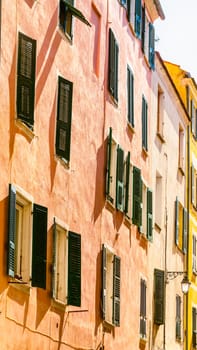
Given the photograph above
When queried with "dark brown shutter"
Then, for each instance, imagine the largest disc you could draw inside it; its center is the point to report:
(159, 297)
(116, 291)
(74, 269)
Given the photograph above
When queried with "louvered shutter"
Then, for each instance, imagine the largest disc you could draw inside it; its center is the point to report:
(144, 124)
(149, 215)
(151, 57)
(11, 230)
(193, 185)
(64, 116)
(26, 79)
(54, 260)
(143, 308)
(74, 269)
(116, 71)
(119, 179)
(143, 28)
(184, 240)
(137, 197)
(116, 291)
(104, 280)
(130, 97)
(138, 18)
(39, 249)
(194, 327)
(194, 253)
(159, 297)
(192, 111)
(113, 65)
(108, 174)
(188, 98)
(178, 317)
(176, 221)
(127, 185)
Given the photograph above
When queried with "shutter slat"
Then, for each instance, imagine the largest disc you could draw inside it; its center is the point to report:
(74, 269)
(11, 230)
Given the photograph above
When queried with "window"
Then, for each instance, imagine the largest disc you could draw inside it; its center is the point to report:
(26, 79)
(160, 112)
(26, 260)
(66, 11)
(144, 124)
(194, 186)
(181, 160)
(66, 266)
(193, 112)
(146, 226)
(178, 317)
(194, 327)
(158, 201)
(194, 251)
(130, 97)
(64, 115)
(138, 18)
(180, 226)
(113, 66)
(131, 11)
(151, 56)
(143, 308)
(123, 3)
(111, 287)
(128, 179)
(145, 33)
(137, 197)
(159, 297)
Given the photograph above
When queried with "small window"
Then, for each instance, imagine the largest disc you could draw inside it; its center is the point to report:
(130, 97)
(128, 181)
(138, 18)
(144, 124)
(64, 116)
(143, 309)
(178, 317)
(159, 297)
(27, 240)
(66, 266)
(26, 79)
(145, 34)
(180, 226)
(131, 11)
(137, 197)
(146, 227)
(111, 287)
(160, 113)
(194, 186)
(194, 327)
(193, 116)
(158, 201)
(194, 252)
(181, 159)
(113, 66)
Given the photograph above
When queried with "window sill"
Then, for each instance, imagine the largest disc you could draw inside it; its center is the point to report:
(63, 161)
(143, 339)
(109, 205)
(131, 127)
(23, 127)
(127, 221)
(65, 35)
(181, 170)
(20, 285)
(161, 137)
(113, 100)
(145, 151)
(157, 227)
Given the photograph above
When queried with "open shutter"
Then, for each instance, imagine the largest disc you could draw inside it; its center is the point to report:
(176, 221)
(137, 197)
(26, 79)
(151, 57)
(149, 215)
(75, 12)
(11, 230)
(192, 185)
(74, 269)
(184, 247)
(159, 297)
(104, 280)
(130, 96)
(39, 249)
(119, 179)
(109, 150)
(127, 189)
(64, 115)
(113, 65)
(54, 260)
(194, 327)
(138, 18)
(116, 291)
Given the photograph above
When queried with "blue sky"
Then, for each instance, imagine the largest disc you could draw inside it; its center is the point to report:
(176, 34)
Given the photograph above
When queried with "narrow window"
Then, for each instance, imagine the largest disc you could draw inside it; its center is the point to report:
(128, 179)
(143, 228)
(159, 297)
(194, 251)
(194, 327)
(120, 179)
(144, 124)
(96, 30)
(193, 117)
(26, 79)
(131, 11)
(149, 214)
(137, 197)
(160, 112)
(130, 97)
(180, 226)
(181, 157)
(64, 116)
(178, 317)
(158, 201)
(151, 57)
(145, 34)
(138, 18)
(113, 66)
(143, 308)
(111, 168)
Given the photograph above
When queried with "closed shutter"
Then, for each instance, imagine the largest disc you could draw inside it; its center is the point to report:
(26, 79)
(159, 297)
(54, 260)
(192, 111)
(113, 65)
(143, 28)
(130, 97)
(127, 185)
(11, 230)
(74, 269)
(104, 280)
(119, 179)
(143, 308)
(138, 18)
(116, 291)
(188, 98)
(193, 185)
(177, 222)
(39, 249)
(194, 327)
(109, 150)
(144, 124)
(137, 197)
(64, 115)
(178, 317)
(184, 240)
(151, 46)
(149, 215)
(129, 10)
(194, 253)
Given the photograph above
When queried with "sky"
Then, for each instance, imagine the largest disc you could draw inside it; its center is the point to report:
(176, 35)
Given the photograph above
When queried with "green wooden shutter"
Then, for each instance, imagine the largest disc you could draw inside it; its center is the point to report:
(193, 185)
(109, 151)
(116, 291)
(104, 280)
(74, 269)
(184, 240)
(39, 249)
(159, 297)
(119, 179)
(138, 18)
(177, 222)
(149, 215)
(151, 56)
(143, 28)
(144, 124)
(54, 260)
(26, 79)
(178, 317)
(116, 54)
(11, 230)
(130, 97)
(113, 65)
(127, 187)
(64, 116)
(137, 197)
